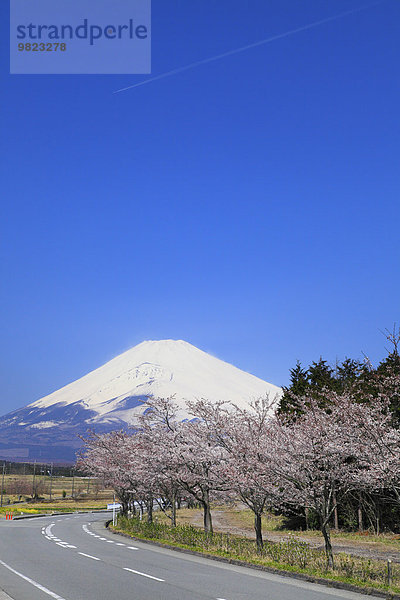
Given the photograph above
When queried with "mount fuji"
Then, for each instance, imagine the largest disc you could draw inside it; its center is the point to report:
(109, 397)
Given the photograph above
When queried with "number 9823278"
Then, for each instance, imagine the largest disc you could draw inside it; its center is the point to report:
(42, 47)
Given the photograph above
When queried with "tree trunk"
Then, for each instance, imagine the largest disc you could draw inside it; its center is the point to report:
(258, 528)
(307, 512)
(173, 511)
(208, 528)
(336, 518)
(335, 512)
(378, 514)
(149, 506)
(328, 545)
(360, 518)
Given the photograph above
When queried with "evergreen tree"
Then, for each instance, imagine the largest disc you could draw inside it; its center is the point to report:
(321, 375)
(347, 373)
(390, 368)
(298, 386)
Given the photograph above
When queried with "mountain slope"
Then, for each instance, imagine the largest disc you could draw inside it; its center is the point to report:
(108, 397)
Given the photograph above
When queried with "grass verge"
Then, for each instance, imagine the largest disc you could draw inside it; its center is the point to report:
(291, 555)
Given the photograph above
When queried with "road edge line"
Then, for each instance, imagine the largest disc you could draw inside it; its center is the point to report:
(329, 583)
(32, 582)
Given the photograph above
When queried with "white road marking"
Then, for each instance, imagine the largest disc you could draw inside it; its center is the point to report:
(143, 574)
(132, 548)
(104, 539)
(32, 582)
(89, 556)
(109, 542)
(62, 544)
(119, 544)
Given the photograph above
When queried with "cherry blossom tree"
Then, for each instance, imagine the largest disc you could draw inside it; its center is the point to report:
(334, 445)
(117, 458)
(378, 437)
(189, 457)
(246, 469)
(322, 452)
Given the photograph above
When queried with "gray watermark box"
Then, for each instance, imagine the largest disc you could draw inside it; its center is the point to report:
(80, 37)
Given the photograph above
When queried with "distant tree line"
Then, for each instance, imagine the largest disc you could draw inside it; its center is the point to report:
(357, 377)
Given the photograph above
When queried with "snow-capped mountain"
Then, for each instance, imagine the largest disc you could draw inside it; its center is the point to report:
(108, 397)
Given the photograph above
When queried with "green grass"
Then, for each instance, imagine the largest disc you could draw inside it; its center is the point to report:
(292, 555)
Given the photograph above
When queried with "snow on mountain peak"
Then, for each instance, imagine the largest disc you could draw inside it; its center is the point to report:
(160, 368)
(109, 397)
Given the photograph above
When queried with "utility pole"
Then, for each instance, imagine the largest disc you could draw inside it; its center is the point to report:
(73, 482)
(51, 479)
(2, 484)
(33, 480)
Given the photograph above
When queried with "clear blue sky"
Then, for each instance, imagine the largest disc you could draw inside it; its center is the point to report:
(249, 206)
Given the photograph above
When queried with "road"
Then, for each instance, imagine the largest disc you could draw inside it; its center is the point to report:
(73, 557)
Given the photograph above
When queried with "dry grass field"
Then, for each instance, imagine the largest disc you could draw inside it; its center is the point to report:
(239, 520)
(42, 493)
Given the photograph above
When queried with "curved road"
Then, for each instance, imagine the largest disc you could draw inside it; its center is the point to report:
(73, 557)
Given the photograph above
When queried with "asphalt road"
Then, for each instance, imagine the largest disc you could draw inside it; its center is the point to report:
(73, 557)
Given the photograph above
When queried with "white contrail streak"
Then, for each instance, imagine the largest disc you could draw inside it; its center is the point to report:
(279, 36)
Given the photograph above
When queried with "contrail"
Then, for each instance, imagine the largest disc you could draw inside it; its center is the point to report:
(205, 61)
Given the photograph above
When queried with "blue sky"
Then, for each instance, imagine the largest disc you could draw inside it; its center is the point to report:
(249, 206)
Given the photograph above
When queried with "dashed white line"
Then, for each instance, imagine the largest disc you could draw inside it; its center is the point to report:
(32, 582)
(132, 548)
(109, 542)
(104, 539)
(143, 574)
(89, 556)
(119, 544)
